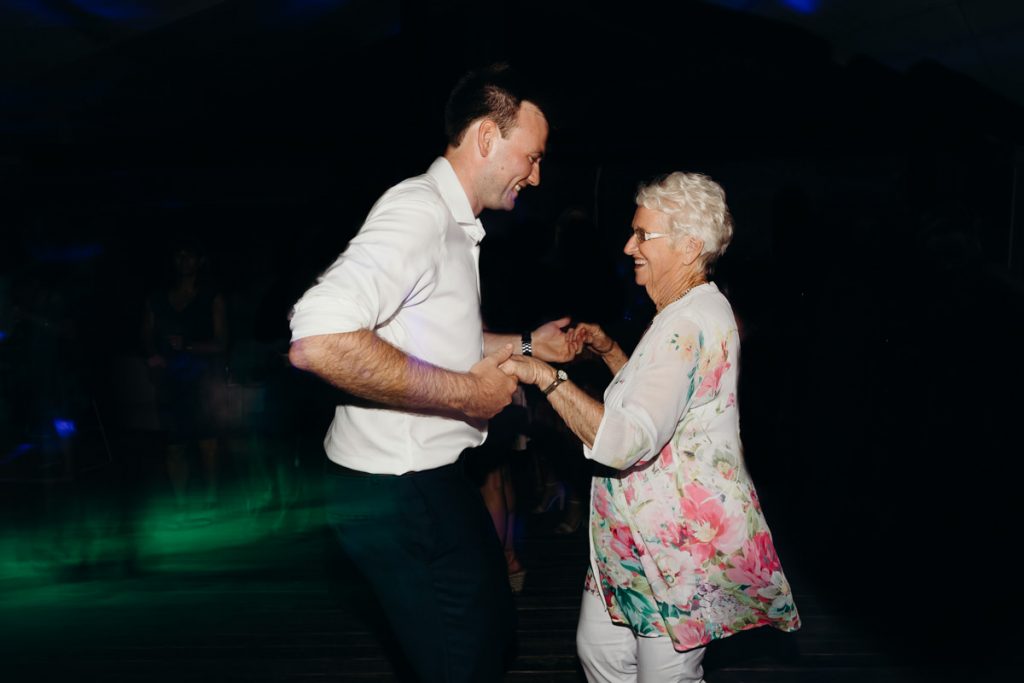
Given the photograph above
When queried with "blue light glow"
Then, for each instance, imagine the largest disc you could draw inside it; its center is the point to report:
(802, 6)
(65, 428)
(3, 336)
(16, 452)
(75, 253)
(310, 9)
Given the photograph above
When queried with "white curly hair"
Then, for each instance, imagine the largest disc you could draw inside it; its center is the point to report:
(695, 205)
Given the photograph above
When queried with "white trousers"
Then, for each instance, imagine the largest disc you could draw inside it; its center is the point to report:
(611, 653)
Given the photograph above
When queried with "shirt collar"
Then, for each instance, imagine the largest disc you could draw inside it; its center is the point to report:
(455, 197)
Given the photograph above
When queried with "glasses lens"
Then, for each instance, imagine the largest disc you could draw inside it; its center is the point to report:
(641, 236)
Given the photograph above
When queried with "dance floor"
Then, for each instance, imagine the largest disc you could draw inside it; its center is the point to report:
(243, 593)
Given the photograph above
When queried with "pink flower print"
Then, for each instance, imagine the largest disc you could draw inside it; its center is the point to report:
(726, 469)
(690, 633)
(688, 348)
(731, 401)
(666, 455)
(679, 573)
(755, 565)
(713, 378)
(631, 493)
(601, 503)
(710, 527)
(754, 499)
(623, 543)
(671, 535)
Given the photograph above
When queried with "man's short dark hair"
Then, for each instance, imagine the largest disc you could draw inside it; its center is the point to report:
(495, 92)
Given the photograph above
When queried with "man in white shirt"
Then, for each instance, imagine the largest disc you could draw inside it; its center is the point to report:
(396, 322)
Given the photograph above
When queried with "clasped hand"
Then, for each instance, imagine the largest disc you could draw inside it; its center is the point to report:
(555, 342)
(571, 342)
(590, 335)
(498, 373)
(494, 386)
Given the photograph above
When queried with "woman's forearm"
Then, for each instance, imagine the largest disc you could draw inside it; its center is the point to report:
(614, 358)
(580, 411)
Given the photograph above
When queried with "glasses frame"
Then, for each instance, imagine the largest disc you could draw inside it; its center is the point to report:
(644, 236)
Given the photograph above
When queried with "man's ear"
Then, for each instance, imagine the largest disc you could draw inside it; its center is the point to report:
(486, 134)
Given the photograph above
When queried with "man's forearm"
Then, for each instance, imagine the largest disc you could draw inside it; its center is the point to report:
(494, 341)
(365, 365)
(550, 342)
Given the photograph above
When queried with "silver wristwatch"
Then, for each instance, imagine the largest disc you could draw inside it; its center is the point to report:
(526, 347)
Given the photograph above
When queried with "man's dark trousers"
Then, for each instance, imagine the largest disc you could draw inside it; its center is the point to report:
(427, 545)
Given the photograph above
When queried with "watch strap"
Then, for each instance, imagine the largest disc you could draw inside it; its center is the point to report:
(527, 344)
(560, 377)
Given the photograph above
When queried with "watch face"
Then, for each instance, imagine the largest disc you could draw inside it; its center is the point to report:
(560, 377)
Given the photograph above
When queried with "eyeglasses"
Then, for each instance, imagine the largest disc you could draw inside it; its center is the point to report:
(642, 235)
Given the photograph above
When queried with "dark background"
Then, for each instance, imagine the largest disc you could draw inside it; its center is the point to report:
(876, 269)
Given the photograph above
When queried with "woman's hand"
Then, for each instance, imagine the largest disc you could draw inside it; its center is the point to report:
(529, 370)
(591, 336)
(551, 343)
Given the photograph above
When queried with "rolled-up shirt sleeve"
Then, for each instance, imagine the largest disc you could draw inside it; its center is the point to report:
(655, 393)
(391, 262)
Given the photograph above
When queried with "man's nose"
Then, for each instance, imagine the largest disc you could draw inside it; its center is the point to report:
(534, 178)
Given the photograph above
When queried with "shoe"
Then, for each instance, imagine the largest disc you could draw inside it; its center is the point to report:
(516, 573)
(516, 581)
(554, 494)
(573, 519)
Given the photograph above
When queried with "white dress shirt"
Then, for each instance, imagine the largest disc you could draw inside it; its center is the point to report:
(411, 275)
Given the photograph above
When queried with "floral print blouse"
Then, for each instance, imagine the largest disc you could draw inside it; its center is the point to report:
(679, 546)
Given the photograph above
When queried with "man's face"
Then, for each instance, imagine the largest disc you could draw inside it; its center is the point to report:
(514, 162)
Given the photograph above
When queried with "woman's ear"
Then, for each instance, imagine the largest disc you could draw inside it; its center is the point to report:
(692, 248)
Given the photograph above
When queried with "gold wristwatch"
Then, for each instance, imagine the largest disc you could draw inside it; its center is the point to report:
(560, 377)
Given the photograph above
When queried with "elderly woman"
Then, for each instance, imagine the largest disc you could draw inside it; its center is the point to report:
(680, 551)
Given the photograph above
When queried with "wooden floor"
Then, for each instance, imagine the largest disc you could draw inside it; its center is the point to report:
(267, 608)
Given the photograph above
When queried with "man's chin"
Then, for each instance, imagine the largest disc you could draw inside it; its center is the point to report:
(506, 203)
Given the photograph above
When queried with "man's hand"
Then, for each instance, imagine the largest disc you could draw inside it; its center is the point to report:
(494, 388)
(551, 343)
(529, 370)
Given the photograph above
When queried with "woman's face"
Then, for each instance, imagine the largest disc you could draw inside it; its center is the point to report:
(657, 265)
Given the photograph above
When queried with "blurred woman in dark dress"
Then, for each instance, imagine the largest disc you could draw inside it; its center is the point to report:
(185, 336)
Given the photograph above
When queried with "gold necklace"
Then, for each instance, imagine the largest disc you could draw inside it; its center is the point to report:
(685, 292)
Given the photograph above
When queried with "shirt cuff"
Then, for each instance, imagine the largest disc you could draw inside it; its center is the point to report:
(311, 318)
